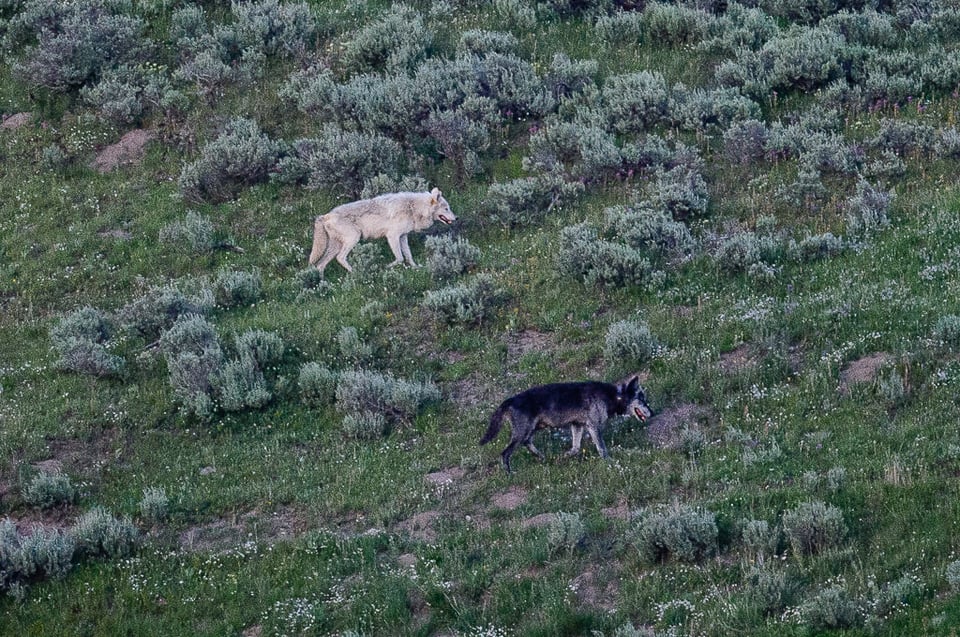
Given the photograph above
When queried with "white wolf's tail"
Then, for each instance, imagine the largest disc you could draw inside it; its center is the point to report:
(319, 241)
(496, 421)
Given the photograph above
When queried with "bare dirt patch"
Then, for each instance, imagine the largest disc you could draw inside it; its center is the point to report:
(591, 590)
(863, 370)
(128, 151)
(738, 359)
(256, 526)
(527, 341)
(445, 476)
(16, 121)
(666, 428)
(619, 512)
(421, 526)
(538, 520)
(510, 499)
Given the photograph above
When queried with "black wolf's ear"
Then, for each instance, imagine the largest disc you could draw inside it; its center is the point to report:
(633, 387)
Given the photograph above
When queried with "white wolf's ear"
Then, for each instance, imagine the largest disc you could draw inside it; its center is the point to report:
(435, 196)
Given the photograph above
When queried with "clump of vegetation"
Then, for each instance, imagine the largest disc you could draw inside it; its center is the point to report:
(236, 288)
(241, 156)
(43, 553)
(565, 532)
(154, 506)
(448, 257)
(467, 303)
(680, 532)
(47, 490)
(98, 533)
(628, 344)
(813, 527)
(829, 609)
(194, 232)
(398, 400)
(317, 384)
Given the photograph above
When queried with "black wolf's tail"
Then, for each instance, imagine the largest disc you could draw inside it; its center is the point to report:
(496, 421)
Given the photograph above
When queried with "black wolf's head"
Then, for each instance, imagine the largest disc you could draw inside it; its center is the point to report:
(633, 400)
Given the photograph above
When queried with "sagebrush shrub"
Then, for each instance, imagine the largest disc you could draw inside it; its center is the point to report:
(708, 111)
(469, 302)
(769, 589)
(682, 191)
(361, 391)
(817, 247)
(241, 156)
(759, 539)
(905, 137)
(194, 233)
(266, 348)
(565, 531)
(585, 256)
(481, 42)
(674, 24)
(236, 288)
(745, 141)
(529, 199)
(947, 330)
(86, 357)
(635, 102)
(830, 608)
(352, 347)
(952, 573)
(130, 94)
(341, 159)
(47, 553)
(86, 323)
(738, 252)
(239, 385)
(194, 357)
(620, 28)
(154, 505)
(75, 42)
(813, 527)
(284, 29)
(645, 227)
(365, 425)
(567, 77)
(462, 134)
(98, 533)
(628, 343)
(47, 490)
(397, 40)
(448, 256)
(680, 532)
(587, 150)
(317, 384)
(868, 209)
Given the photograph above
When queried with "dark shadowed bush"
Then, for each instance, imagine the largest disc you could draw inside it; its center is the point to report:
(75, 42)
(159, 307)
(241, 156)
(98, 533)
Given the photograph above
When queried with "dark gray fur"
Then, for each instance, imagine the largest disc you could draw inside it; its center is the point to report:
(581, 405)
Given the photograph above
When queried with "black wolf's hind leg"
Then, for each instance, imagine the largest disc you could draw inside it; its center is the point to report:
(529, 445)
(576, 434)
(506, 453)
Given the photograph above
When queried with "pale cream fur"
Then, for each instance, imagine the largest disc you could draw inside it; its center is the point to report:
(392, 216)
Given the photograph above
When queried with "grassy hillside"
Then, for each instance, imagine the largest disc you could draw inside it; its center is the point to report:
(752, 206)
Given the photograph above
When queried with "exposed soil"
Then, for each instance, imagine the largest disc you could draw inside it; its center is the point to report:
(128, 151)
(738, 359)
(445, 476)
(863, 370)
(16, 121)
(619, 512)
(538, 520)
(510, 499)
(591, 590)
(420, 527)
(255, 526)
(666, 427)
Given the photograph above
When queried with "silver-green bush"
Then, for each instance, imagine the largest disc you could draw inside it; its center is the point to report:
(194, 233)
(680, 532)
(47, 490)
(469, 302)
(237, 288)
(154, 505)
(813, 527)
(628, 343)
(317, 384)
(397, 399)
(98, 533)
(565, 531)
(448, 256)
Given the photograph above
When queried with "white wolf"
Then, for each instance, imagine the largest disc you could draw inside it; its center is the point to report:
(392, 216)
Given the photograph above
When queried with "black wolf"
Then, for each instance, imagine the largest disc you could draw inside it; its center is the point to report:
(583, 405)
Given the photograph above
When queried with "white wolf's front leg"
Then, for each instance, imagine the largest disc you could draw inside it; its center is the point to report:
(395, 247)
(405, 248)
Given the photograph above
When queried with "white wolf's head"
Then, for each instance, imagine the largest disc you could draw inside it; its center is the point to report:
(440, 209)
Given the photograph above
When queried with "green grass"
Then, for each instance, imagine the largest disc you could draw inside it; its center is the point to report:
(280, 521)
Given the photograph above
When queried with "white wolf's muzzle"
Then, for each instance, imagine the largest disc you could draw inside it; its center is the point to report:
(445, 219)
